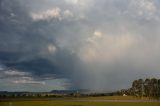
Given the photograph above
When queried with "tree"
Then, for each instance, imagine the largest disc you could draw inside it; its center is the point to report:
(149, 88)
(137, 87)
(158, 88)
(146, 87)
(153, 87)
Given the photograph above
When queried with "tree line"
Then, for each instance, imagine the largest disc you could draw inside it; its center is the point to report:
(144, 88)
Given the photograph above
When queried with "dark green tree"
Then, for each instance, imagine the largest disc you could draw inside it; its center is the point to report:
(137, 87)
(146, 87)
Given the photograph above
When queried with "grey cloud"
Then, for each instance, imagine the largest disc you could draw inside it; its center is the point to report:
(128, 41)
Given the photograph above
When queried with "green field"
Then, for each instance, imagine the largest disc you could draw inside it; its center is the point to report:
(72, 102)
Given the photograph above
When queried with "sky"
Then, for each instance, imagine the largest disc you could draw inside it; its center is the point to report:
(100, 45)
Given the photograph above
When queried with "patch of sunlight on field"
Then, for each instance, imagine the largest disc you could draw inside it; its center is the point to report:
(67, 103)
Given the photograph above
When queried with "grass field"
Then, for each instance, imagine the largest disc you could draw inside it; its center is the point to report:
(71, 102)
(113, 98)
(63, 103)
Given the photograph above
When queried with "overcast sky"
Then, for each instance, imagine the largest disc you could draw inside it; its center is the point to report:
(100, 45)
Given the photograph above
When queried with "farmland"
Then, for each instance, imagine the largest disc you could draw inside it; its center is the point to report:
(90, 101)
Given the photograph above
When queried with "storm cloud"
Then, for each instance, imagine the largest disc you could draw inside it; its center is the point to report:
(100, 45)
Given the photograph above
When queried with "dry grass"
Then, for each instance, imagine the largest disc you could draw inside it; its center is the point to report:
(65, 103)
(71, 102)
(114, 98)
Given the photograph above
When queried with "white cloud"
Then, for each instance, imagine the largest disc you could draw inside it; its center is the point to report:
(68, 13)
(18, 77)
(144, 7)
(147, 5)
(93, 39)
(97, 34)
(26, 78)
(24, 81)
(55, 13)
(51, 48)
(47, 15)
(106, 47)
(15, 73)
(82, 4)
(73, 1)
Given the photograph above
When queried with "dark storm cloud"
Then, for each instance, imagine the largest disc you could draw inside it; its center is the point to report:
(24, 44)
(20, 42)
(95, 44)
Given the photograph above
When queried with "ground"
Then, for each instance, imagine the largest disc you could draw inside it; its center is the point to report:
(90, 101)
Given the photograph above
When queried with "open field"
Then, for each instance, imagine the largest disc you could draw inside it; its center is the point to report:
(90, 101)
(114, 98)
(65, 103)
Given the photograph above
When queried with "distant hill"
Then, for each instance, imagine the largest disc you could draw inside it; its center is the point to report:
(69, 91)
